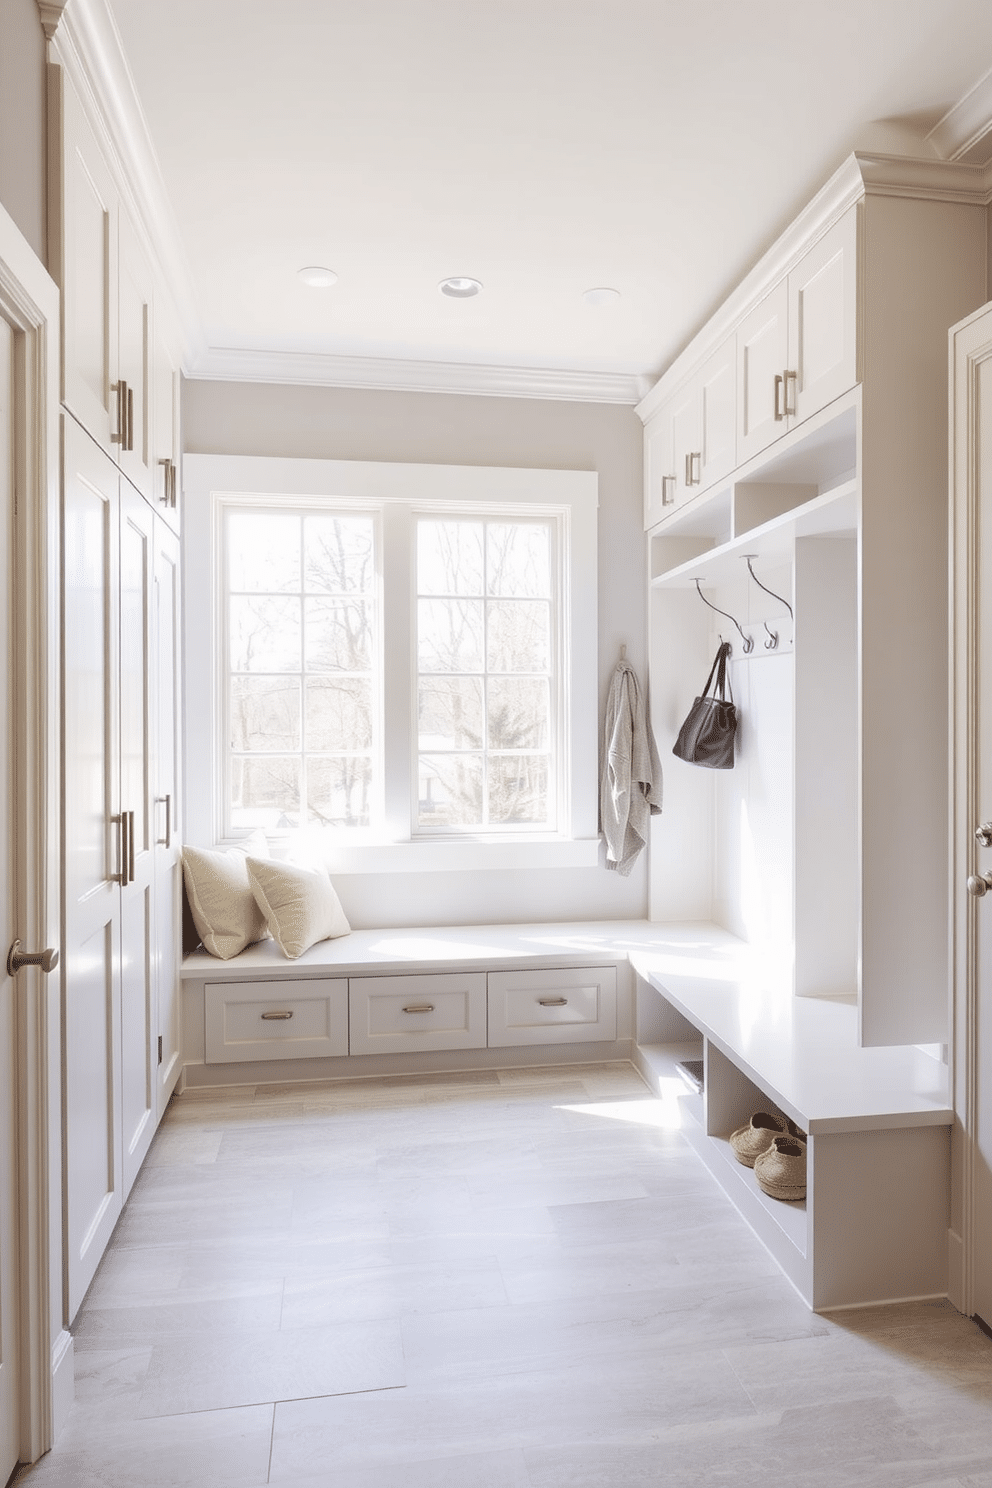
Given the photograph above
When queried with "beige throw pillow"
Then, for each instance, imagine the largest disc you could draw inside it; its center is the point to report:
(299, 904)
(224, 910)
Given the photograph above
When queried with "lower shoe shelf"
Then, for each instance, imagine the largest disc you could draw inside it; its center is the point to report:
(873, 1227)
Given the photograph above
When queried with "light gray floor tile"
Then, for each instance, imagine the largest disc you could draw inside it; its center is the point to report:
(220, 1372)
(508, 1279)
(229, 1448)
(623, 1403)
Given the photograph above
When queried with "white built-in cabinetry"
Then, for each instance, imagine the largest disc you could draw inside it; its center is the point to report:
(827, 842)
(120, 601)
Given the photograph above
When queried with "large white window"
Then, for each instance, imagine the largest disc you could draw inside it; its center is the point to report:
(398, 660)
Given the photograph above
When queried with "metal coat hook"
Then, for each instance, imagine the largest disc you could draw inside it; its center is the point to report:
(772, 643)
(779, 597)
(748, 640)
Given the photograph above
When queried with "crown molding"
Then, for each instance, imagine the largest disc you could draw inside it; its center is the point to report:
(395, 374)
(966, 129)
(861, 175)
(51, 13)
(86, 43)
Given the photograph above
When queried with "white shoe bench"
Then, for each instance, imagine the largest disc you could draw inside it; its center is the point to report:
(874, 1227)
(379, 1002)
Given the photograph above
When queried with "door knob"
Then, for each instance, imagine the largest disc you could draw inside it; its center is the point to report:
(979, 884)
(16, 958)
(983, 834)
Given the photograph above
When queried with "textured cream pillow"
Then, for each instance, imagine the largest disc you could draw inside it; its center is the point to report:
(223, 906)
(299, 904)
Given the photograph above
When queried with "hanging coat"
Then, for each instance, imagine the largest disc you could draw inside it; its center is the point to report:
(631, 787)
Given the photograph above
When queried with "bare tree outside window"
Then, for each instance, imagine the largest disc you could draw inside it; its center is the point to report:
(485, 647)
(301, 609)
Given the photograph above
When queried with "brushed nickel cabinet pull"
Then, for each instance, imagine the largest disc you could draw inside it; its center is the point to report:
(779, 412)
(789, 409)
(667, 490)
(553, 1001)
(688, 470)
(120, 437)
(166, 841)
(123, 822)
(696, 468)
(130, 419)
(277, 1017)
(419, 1007)
(130, 847)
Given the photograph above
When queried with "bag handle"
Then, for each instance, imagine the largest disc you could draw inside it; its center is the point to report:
(720, 668)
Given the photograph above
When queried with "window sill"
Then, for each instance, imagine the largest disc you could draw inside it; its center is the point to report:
(458, 855)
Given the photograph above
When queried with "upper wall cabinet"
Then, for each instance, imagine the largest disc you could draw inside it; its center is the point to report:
(118, 372)
(691, 442)
(791, 355)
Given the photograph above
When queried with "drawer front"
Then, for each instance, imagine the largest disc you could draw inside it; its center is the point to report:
(275, 1020)
(552, 1007)
(390, 1015)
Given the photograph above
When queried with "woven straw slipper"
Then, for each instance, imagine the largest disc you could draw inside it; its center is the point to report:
(781, 1171)
(750, 1141)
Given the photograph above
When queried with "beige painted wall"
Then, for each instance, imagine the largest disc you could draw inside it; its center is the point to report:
(22, 119)
(329, 423)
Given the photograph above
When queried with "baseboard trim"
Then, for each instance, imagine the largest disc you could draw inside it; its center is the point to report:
(63, 1381)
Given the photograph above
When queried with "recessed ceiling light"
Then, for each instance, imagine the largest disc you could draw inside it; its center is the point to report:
(318, 278)
(459, 288)
(601, 296)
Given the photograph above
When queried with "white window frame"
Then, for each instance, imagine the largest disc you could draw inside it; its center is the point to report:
(397, 492)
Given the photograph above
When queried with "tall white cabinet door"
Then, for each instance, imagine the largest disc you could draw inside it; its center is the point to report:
(659, 468)
(823, 318)
(9, 1416)
(166, 831)
(762, 353)
(687, 441)
(93, 861)
(134, 321)
(86, 254)
(139, 1016)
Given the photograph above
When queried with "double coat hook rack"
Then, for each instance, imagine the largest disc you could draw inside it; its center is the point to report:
(771, 644)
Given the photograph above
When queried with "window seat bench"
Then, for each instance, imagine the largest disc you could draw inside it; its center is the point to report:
(874, 1227)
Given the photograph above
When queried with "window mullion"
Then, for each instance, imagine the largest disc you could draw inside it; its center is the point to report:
(399, 671)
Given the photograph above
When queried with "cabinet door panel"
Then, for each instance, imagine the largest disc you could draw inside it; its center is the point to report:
(762, 351)
(165, 425)
(823, 319)
(687, 441)
(91, 981)
(139, 1014)
(718, 414)
(659, 468)
(88, 274)
(390, 1015)
(166, 830)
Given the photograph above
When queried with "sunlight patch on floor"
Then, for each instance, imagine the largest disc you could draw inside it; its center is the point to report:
(665, 1111)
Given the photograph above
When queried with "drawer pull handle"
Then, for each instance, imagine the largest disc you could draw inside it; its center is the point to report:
(553, 1001)
(276, 1017)
(419, 1007)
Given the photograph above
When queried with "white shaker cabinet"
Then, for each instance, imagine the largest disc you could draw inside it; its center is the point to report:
(166, 834)
(797, 349)
(107, 286)
(121, 893)
(691, 441)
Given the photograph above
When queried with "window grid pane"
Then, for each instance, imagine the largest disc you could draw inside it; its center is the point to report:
(301, 659)
(510, 783)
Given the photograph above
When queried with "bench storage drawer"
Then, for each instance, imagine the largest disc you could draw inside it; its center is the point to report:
(392, 1014)
(275, 1020)
(576, 1005)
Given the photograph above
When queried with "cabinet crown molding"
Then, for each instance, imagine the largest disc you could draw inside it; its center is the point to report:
(862, 174)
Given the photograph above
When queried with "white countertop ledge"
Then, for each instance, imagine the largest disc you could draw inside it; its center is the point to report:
(802, 1051)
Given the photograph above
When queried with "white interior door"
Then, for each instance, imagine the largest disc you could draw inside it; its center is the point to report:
(971, 1225)
(9, 1423)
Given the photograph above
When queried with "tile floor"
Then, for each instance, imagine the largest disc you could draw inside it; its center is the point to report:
(513, 1280)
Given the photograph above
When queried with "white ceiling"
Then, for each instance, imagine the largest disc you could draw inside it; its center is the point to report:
(544, 147)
